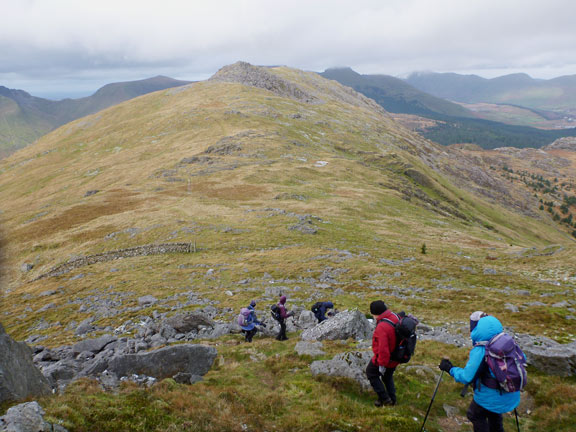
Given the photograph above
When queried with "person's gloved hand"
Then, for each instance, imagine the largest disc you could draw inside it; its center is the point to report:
(445, 365)
(381, 369)
(262, 324)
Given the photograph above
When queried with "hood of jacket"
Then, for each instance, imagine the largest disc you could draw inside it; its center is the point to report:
(282, 299)
(487, 328)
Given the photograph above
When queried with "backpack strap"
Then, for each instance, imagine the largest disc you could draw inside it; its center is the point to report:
(388, 320)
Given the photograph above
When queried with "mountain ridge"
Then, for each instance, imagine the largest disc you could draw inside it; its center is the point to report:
(36, 116)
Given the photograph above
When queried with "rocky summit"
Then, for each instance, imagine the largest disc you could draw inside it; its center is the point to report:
(134, 236)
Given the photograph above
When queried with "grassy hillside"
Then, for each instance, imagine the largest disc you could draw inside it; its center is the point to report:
(281, 179)
(25, 118)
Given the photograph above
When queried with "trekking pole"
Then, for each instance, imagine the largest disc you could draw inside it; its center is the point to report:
(517, 422)
(432, 401)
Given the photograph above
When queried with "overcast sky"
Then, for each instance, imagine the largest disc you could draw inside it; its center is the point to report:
(58, 48)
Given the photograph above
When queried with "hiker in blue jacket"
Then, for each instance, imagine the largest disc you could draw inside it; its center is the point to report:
(485, 411)
(249, 328)
(320, 309)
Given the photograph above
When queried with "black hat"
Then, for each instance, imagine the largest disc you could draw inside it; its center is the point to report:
(378, 307)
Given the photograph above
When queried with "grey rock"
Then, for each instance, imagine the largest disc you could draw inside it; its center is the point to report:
(109, 381)
(344, 325)
(165, 362)
(512, 308)
(147, 300)
(186, 378)
(19, 378)
(184, 323)
(61, 372)
(349, 365)
(549, 356)
(309, 348)
(85, 327)
(93, 345)
(26, 267)
(306, 320)
(26, 417)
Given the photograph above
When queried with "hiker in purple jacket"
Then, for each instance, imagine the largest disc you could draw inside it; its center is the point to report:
(283, 316)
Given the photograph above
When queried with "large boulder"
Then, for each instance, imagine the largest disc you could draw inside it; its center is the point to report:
(93, 345)
(19, 378)
(549, 356)
(184, 323)
(27, 417)
(167, 362)
(344, 325)
(306, 320)
(348, 365)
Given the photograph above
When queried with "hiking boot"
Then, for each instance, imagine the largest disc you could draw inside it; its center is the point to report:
(382, 402)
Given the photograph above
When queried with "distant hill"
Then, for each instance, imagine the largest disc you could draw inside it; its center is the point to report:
(558, 94)
(455, 124)
(24, 118)
(395, 95)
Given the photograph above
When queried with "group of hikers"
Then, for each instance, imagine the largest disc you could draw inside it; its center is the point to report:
(496, 368)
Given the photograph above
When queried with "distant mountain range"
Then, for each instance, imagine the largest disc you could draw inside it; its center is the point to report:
(454, 124)
(558, 94)
(24, 118)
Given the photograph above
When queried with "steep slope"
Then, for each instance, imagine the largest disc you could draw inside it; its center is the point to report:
(24, 118)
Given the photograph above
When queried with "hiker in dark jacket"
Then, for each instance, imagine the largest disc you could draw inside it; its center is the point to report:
(485, 411)
(320, 309)
(283, 317)
(380, 369)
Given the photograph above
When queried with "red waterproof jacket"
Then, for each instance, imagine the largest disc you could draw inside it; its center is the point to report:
(384, 340)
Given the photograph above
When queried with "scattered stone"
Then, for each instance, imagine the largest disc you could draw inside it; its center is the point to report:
(91, 192)
(512, 308)
(307, 320)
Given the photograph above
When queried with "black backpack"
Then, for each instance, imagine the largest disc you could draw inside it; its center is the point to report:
(275, 311)
(316, 307)
(406, 338)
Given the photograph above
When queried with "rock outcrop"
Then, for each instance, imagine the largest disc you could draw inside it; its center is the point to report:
(27, 417)
(342, 326)
(549, 356)
(255, 76)
(194, 360)
(19, 378)
(348, 365)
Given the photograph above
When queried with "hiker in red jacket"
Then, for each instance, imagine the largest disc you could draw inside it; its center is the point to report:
(380, 369)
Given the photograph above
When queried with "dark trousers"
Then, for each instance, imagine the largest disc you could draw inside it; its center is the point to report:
(484, 420)
(383, 385)
(282, 335)
(249, 334)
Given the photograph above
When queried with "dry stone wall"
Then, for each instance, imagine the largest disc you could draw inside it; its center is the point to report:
(151, 249)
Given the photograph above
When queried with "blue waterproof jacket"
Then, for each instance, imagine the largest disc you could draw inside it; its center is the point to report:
(251, 321)
(488, 398)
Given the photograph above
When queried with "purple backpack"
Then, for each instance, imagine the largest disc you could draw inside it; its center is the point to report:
(243, 317)
(507, 362)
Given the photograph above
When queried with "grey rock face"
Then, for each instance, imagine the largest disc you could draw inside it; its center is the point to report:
(147, 300)
(345, 325)
(549, 356)
(349, 365)
(27, 417)
(165, 362)
(309, 348)
(184, 323)
(19, 378)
